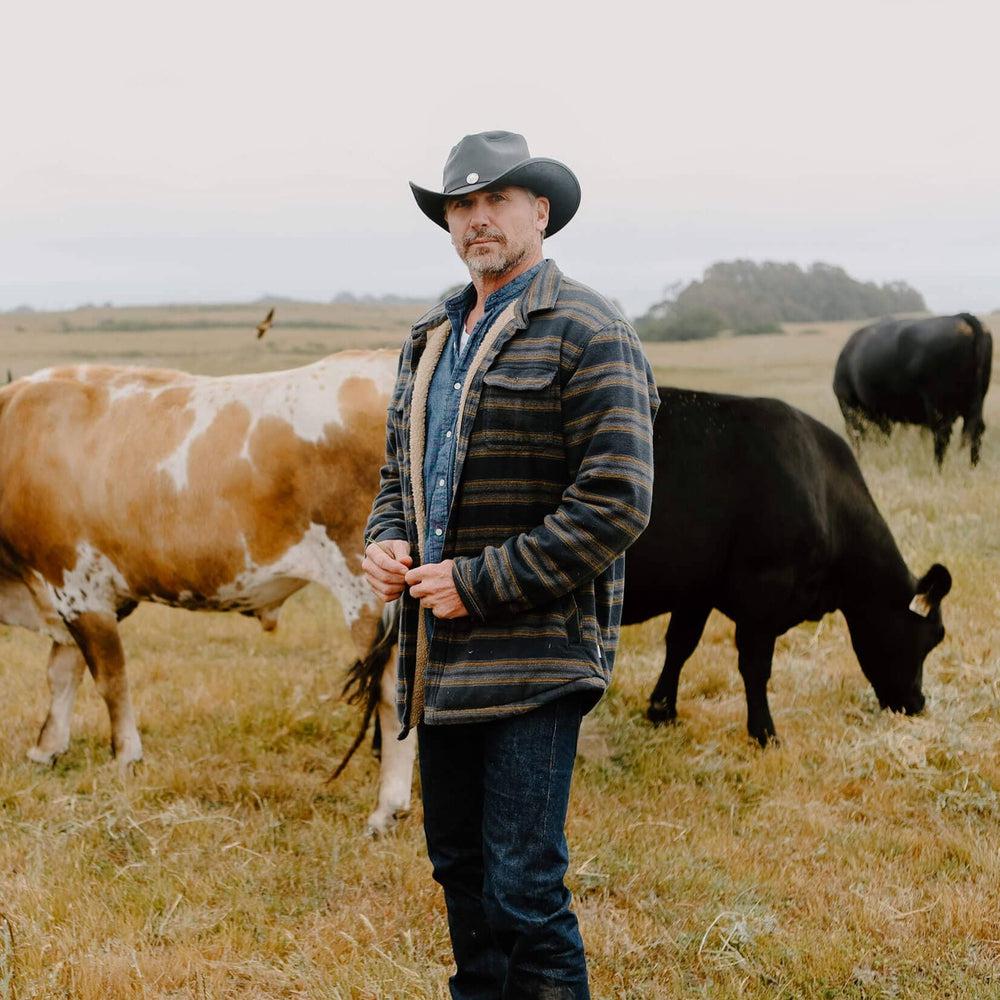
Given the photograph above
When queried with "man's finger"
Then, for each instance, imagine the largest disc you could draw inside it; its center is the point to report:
(400, 551)
(370, 569)
(377, 555)
(448, 609)
(374, 571)
(384, 560)
(386, 591)
(384, 586)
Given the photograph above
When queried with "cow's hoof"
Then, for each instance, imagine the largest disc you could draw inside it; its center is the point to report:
(128, 769)
(383, 820)
(659, 713)
(128, 758)
(766, 739)
(44, 757)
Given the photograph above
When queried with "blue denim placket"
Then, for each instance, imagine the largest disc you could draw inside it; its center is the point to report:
(442, 408)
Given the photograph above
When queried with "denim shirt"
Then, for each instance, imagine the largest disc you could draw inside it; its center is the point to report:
(443, 398)
(442, 403)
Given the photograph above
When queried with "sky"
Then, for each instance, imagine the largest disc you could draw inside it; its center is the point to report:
(220, 151)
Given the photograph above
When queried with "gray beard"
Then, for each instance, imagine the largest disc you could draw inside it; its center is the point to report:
(496, 266)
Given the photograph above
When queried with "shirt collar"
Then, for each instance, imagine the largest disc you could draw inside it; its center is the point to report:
(510, 291)
(459, 305)
(541, 294)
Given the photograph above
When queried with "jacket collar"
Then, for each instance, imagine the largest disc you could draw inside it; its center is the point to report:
(540, 295)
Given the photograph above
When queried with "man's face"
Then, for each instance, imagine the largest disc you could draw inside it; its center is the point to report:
(494, 231)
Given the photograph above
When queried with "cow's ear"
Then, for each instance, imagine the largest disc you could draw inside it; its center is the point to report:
(931, 590)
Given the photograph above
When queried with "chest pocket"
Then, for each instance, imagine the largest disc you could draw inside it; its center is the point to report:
(522, 401)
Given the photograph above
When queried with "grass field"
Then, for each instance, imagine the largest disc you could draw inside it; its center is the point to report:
(210, 340)
(859, 859)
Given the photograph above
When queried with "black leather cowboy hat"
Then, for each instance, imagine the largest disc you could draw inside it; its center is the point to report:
(499, 159)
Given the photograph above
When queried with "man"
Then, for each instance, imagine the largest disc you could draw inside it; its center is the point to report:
(518, 470)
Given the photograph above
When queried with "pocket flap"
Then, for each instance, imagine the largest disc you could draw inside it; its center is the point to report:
(520, 379)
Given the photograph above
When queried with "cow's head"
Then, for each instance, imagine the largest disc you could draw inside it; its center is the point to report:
(892, 644)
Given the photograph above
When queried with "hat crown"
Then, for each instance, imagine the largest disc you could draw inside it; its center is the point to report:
(497, 159)
(480, 158)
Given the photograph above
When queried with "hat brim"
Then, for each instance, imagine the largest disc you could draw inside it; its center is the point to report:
(548, 178)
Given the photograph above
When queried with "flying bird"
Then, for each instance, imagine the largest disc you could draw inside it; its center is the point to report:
(265, 324)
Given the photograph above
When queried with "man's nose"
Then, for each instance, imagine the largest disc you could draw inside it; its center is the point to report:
(480, 214)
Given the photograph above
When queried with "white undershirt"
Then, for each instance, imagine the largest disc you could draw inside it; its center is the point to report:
(463, 341)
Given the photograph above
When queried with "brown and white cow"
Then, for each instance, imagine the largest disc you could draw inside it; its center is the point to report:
(120, 485)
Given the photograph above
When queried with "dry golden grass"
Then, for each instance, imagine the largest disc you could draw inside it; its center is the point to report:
(859, 859)
(210, 340)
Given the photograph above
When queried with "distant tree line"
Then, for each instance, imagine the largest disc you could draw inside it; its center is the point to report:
(388, 299)
(746, 297)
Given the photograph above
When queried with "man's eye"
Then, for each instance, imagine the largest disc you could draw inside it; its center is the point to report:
(497, 196)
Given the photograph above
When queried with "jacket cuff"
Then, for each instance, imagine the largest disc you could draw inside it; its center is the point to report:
(459, 575)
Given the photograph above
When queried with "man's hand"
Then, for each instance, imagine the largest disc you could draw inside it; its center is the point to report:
(385, 565)
(434, 586)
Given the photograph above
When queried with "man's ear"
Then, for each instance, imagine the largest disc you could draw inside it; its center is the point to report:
(542, 213)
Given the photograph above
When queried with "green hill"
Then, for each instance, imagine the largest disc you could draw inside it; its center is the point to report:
(748, 297)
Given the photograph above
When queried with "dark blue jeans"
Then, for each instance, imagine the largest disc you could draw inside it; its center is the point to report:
(495, 799)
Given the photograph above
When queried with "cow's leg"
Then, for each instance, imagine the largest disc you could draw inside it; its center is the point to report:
(398, 757)
(942, 435)
(756, 649)
(976, 442)
(66, 667)
(97, 636)
(883, 424)
(683, 634)
(973, 428)
(854, 423)
(940, 428)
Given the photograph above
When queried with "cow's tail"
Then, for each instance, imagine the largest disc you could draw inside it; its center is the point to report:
(982, 350)
(364, 679)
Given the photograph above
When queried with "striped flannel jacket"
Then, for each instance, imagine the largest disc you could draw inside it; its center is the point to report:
(553, 481)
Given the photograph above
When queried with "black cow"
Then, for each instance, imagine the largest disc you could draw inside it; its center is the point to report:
(762, 512)
(917, 371)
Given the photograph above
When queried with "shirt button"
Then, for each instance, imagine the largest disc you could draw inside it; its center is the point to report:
(440, 482)
(437, 531)
(447, 434)
(458, 385)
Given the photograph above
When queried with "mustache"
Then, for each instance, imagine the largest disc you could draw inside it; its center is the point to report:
(483, 234)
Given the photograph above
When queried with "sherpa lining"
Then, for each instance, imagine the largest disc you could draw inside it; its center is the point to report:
(436, 340)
